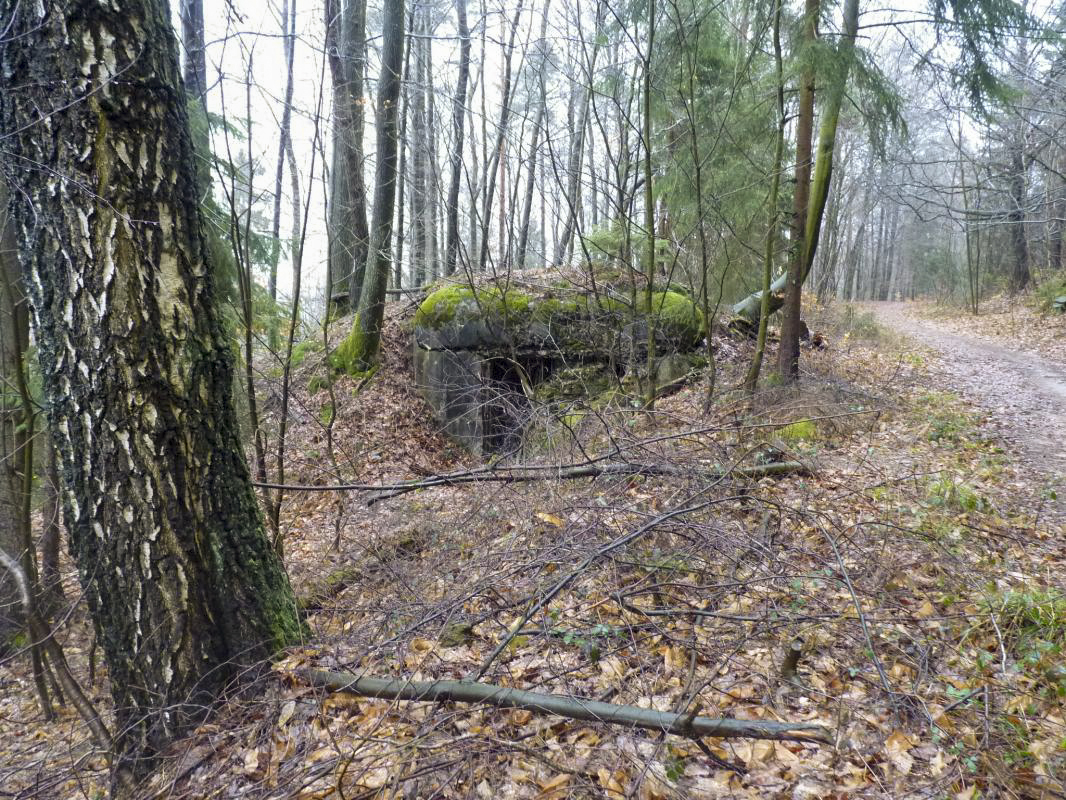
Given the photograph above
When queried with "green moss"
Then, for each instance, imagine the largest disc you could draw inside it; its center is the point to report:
(460, 303)
(302, 350)
(325, 414)
(574, 382)
(546, 309)
(679, 316)
(317, 383)
(800, 431)
(346, 357)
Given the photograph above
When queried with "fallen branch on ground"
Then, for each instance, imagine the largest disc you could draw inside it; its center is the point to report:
(521, 473)
(570, 707)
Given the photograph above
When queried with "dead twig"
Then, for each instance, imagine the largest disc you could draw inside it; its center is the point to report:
(570, 707)
(534, 472)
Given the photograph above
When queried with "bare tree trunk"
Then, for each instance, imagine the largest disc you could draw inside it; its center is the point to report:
(346, 49)
(288, 23)
(11, 359)
(751, 381)
(538, 124)
(1021, 275)
(367, 330)
(492, 169)
(182, 584)
(432, 162)
(649, 209)
(401, 178)
(788, 350)
(577, 148)
(195, 76)
(419, 162)
(52, 512)
(451, 244)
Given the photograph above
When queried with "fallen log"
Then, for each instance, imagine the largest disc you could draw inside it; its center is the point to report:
(686, 725)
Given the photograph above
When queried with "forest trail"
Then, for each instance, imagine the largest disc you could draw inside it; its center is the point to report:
(1023, 393)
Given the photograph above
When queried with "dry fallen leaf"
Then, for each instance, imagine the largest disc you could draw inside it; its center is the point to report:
(286, 713)
(551, 519)
(896, 748)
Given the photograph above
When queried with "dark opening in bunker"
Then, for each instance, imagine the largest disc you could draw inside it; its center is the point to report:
(507, 408)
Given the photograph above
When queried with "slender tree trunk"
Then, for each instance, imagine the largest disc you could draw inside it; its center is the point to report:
(52, 512)
(419, 165)
(1021, 275)
(577, 147)
(451, 244)
(195, 76)
(401, 177)
(751, 381)
(367, 331)
(492, 169)
(649, 209)
(288, 22)
(788, 350)
(11, 359)
(538, 123)
(432, 163)
(816, 195)
(182, 584)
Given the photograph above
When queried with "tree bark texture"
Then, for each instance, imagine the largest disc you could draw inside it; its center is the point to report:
(182, 584)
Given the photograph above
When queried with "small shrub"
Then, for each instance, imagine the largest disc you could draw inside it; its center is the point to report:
(861, 324)
(1049, 291)
(951, 494)
(317, 383)
(946, 423)
(325, 414)
(1032, 623)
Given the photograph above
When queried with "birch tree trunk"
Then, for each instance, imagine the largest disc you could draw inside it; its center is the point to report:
(182, 584)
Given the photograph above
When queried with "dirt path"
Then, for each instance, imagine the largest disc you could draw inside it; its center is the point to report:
(1024, 394)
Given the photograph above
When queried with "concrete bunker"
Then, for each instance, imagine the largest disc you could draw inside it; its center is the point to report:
(484, 356)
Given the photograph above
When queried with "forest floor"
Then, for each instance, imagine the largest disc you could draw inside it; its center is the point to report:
(906, 592)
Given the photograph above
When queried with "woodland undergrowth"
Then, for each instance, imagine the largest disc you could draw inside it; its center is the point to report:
(906, 594)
